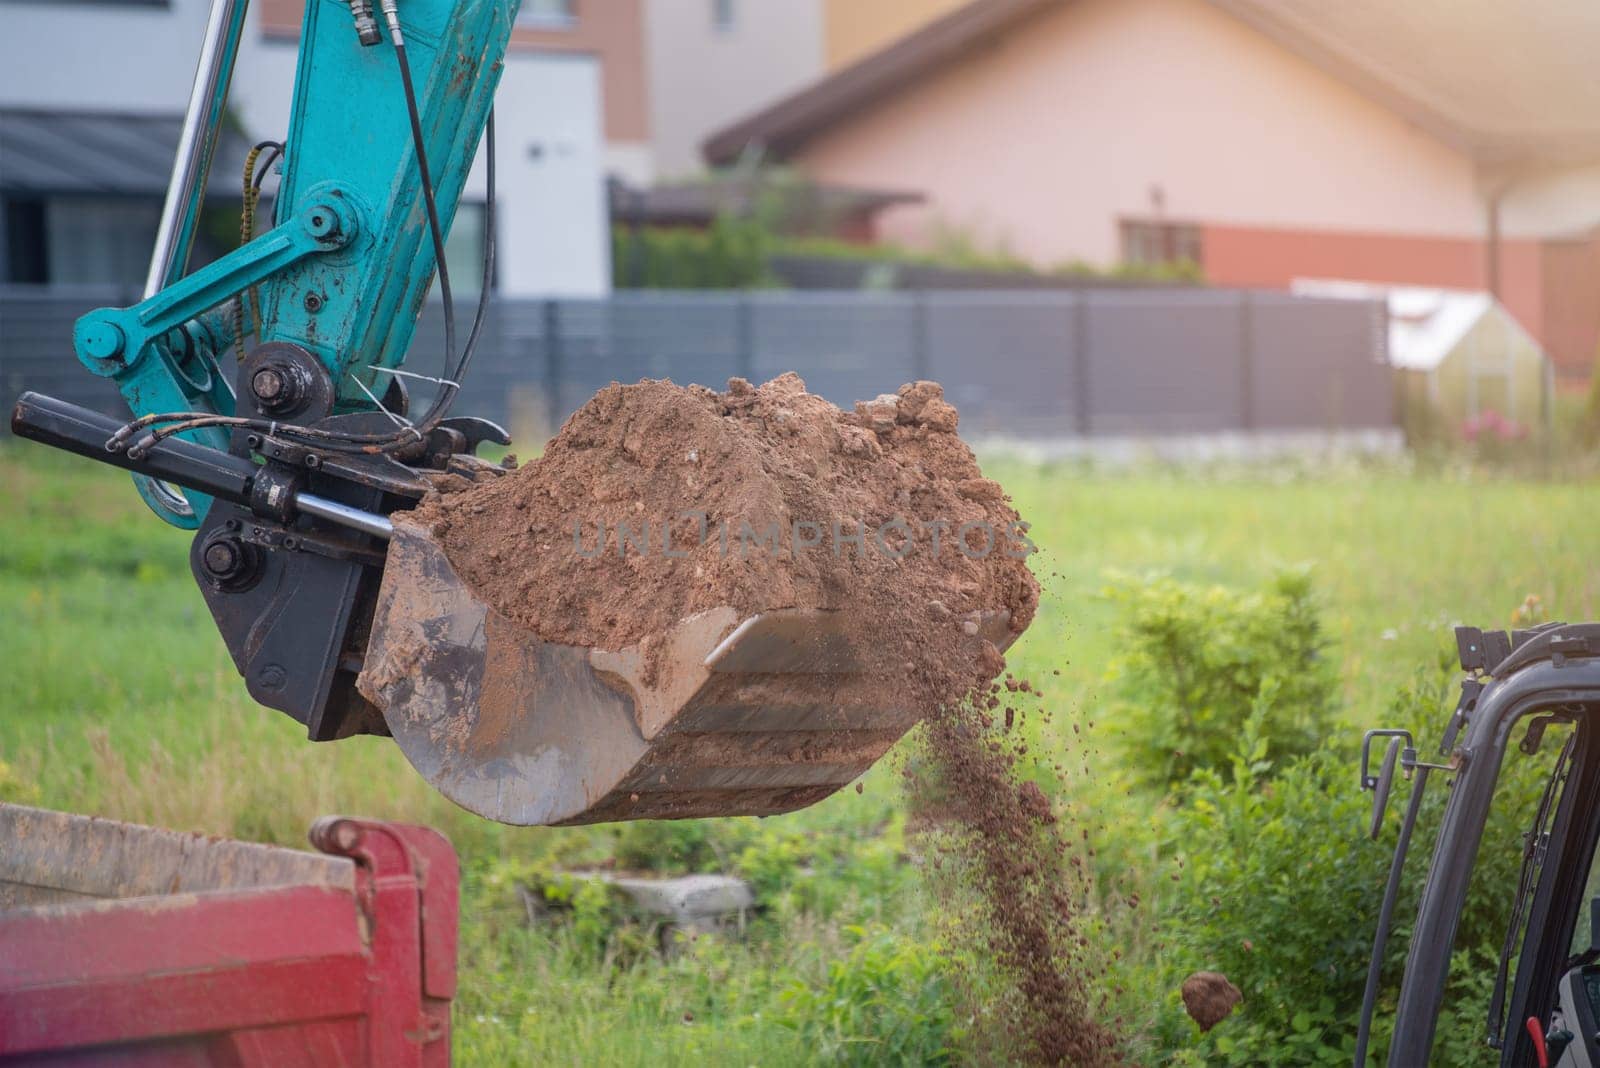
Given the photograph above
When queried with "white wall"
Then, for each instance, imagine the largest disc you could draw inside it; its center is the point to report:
(99, 57)
(701, 77)
(553, 233)
(263, 81)
(552, 226)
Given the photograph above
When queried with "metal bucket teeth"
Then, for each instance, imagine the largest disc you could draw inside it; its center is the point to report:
(725, 717)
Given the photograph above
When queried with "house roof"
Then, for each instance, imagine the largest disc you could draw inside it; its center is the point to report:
(1507, 84)
(69, 152)
(791, 120)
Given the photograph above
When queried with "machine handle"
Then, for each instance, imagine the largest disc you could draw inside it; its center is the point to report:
(85, 432)
(1540, 1049)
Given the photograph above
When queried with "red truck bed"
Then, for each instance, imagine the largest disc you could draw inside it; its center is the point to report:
(129, 945)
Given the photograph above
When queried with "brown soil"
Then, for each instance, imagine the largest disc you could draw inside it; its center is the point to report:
(1209, 997)
(545, 546)
(638, 459)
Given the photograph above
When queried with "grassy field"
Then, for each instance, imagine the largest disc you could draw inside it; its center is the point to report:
(117, 698)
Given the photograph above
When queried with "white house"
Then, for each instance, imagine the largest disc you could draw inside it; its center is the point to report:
(91, 99)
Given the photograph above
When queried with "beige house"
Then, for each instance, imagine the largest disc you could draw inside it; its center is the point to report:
(1447, 143)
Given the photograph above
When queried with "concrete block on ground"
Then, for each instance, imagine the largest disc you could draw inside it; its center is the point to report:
(690, 900)
(692, 904)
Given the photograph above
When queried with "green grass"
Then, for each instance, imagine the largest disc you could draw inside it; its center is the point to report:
(117, 698)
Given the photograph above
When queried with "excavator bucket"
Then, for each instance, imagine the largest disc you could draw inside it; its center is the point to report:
(723, 716)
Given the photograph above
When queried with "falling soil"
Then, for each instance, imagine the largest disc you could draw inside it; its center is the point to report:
(1004, 840)
(656, 502)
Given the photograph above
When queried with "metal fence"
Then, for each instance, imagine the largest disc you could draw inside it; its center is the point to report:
(1142, 363)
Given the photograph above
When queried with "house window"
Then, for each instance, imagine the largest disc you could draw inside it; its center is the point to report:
(1151, 243)
(463, 251)
(548, 14)
(724, 15)
(26, 247)
(99, 240)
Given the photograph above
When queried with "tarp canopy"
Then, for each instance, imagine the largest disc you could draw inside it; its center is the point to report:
(89, 154)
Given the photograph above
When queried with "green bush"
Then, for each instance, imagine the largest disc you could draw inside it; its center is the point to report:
(677, 846)
(734, 252)
(1174, 272)
(967, 256)
(1199, 661)
(772, 861)
(729, 254)
(1588, 421)
(890, 1001)
(1266, 862)
(600, 920)
(15, 787)
(859, 879)
(1267, 870)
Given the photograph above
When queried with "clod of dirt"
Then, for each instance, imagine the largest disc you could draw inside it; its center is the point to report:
(1208, 998)
(1034, 803)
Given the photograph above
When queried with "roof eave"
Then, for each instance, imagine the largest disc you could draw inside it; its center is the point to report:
(782, 127)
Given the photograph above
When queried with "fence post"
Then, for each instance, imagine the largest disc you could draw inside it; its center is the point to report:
(919, 336)
(1080, 369)
(1247, 362)
(744, 360)
(552, 364)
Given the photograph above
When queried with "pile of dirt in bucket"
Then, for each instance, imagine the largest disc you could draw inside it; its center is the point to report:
(656, 502)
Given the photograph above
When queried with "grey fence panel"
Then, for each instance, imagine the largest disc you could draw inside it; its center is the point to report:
(1167, 363)
(847, 346)
(507, 379)
(1315, 365)
(1030, 364)
(1008, 361)
(689, 338)
(521, 369)
(36, 347)
(835, 273)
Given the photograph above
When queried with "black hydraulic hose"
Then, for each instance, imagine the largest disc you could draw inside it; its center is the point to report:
(488, 257)
(435, 230)
(1391, 895)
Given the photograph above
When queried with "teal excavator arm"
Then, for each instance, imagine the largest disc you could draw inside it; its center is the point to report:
(289, 484)
(343, 275)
